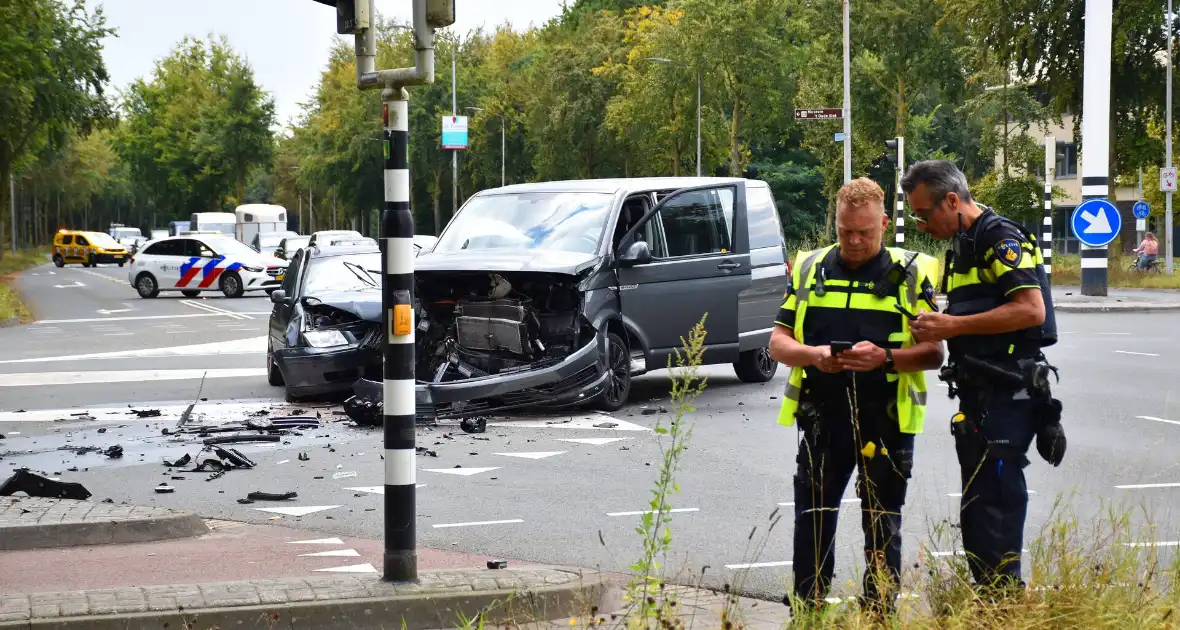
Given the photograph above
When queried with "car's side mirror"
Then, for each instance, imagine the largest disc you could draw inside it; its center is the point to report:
(637, 254)
(279, 296)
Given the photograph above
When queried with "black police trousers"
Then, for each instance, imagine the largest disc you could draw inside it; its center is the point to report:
(995, 496)
(824, 469)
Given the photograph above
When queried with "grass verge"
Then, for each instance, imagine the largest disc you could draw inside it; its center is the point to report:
(12, 310)
(1067, 270)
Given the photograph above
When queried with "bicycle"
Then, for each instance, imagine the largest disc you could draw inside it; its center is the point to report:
(1152, 267)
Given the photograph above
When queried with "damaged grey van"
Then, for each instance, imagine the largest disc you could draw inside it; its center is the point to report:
(557, 294)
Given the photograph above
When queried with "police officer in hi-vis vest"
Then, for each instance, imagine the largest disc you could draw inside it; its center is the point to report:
(856, 389)
(999, 316)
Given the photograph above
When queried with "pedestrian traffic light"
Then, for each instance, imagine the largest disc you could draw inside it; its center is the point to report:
(893, 155)
(351, 15)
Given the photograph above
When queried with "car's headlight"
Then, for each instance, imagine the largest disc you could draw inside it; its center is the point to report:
(325, 338)
(252, 269)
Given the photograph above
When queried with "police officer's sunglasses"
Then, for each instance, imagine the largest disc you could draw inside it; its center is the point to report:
(922, 215)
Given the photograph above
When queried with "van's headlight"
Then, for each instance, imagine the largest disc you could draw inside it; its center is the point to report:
(252, 269)
(325, 338)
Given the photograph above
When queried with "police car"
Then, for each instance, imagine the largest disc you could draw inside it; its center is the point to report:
(192, 263)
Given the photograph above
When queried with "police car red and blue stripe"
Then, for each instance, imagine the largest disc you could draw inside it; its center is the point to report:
(209, 270)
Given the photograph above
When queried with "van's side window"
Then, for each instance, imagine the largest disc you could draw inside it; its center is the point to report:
(68, 239)
(698, 223)
(81, 240)
(765, 229)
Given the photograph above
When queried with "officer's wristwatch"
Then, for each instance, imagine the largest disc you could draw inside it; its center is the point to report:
(888, 360)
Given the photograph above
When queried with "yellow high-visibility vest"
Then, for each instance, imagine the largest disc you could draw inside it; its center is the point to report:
(911, 386)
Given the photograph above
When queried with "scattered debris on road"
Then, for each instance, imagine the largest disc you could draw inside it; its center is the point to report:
(271, 496)
(497, 564)
(35, 485)
(114, 452)
(146, 413)
(474, 425)
(303, 457)
(165, 488)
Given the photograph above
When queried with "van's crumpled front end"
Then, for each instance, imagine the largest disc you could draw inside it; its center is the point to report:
(489, 341)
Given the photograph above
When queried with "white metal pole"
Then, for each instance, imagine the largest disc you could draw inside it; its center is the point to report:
(1168, 195)
(333, 207)
(454, 152)
(12, 207)
(1047, 221)
(899, 196)
(503, 124)
(1140, 224)
(1095, 131)
(847, 104)
(698, 123)
(310, 209)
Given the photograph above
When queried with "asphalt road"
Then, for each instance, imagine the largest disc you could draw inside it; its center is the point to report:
(554, 489)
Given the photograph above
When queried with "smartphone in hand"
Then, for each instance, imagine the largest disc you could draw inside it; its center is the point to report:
(840, 346)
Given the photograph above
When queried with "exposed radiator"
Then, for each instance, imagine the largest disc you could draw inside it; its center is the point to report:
(494, 325)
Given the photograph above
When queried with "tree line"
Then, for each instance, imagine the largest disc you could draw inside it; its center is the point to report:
(608, 88)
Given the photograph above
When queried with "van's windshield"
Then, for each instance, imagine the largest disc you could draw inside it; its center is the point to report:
(558, 221)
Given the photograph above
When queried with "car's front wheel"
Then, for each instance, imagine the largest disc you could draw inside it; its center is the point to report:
(146, 286)
(58, 260)
(618, 382)
(231, 285)
(273, 375)
(755, 366)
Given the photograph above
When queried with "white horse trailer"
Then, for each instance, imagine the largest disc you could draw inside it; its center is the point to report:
(256, 218)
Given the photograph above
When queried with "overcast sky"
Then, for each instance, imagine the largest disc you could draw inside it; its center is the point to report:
(285, 41)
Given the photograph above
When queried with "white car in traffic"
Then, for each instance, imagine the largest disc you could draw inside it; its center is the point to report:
(194, 263)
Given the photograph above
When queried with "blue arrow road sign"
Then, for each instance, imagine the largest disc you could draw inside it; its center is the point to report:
(1141, 209)
(1095, 222)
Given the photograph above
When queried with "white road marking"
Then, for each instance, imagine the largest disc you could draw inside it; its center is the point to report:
(1141, 354)
(574, 422)
(378, 489)
(87, 320)
(69, 286)
(118, 334)
(32, 379)
(475, 523)
(593, 441)
(852, 500)
(652, 512)
(957, 552)
(1140, 486)
(465, 472)
(1165, 543)
(285, 461)
(334, 553)
(353, 568)
(760, 565)
(251, 345)
(213, 309)
(297, 510)
(317, 541)
(960, 494)
(104, 311)
(1158, 419)
(203, 413)
(536, 455)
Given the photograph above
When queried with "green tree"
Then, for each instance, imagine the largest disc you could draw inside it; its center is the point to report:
(194, 130)
(51, 81)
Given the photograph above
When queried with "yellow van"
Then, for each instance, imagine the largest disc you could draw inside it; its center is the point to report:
(87, 248)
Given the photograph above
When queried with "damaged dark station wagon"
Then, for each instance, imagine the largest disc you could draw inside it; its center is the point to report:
(556, 294)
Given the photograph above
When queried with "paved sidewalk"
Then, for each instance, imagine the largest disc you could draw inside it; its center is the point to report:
(35, 523)
(696, 608)
(439, 599)
(1069, 299)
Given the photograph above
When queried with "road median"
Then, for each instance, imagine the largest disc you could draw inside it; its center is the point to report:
(40, 523)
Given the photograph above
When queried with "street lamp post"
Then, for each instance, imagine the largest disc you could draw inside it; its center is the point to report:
(664, 60)
(503, 123)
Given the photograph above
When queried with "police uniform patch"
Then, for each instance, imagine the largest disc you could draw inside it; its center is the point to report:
(1008, 252)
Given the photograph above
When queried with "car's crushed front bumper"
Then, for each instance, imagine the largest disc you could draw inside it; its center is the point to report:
(576, 379)
(326, 371)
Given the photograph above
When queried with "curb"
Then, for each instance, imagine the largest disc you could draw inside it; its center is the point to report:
(101, 532)
(498, 607)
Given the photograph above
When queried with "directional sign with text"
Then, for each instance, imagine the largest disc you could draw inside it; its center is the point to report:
(1141, 209)
(828, 113)
(1095, 222)
(1167, 179)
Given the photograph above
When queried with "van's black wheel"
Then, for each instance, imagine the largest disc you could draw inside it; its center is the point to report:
(755, 366)
(58, 260)
(618, 382)
(273, 375)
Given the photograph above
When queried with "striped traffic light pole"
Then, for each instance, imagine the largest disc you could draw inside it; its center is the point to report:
(1047, 222)
(397, 305)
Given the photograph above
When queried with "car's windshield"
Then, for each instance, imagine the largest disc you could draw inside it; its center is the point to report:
(354, 272)
(559, 221)
(103, 240)
(230, 248)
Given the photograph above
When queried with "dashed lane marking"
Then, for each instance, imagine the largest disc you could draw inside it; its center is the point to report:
(251, 345)
(852, 500)
(478, 523)
(1162, 543)
(317, 541)
(465, 472)
(759, 565)
(537, 455)
(593, 441)
(334, 553)
(1158, 419)
(958, 495)
(89, 320)
(352, 568)
(1140, 354)
(297, 510)
(641, 512)
(33, 379)
(213, 309)
(1142, 486)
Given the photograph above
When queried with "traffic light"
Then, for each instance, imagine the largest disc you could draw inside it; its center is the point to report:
(892, 156)
(440, 13)
(351, 15)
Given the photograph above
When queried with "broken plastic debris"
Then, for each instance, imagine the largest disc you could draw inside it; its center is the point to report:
(271, 496)
(35, 485)
(497, 564)
(606, 425)
(114, 452)
(183, 461)
(344, 475)
(147, 413)
(303, 457)
(474, 425)
(164, 488)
